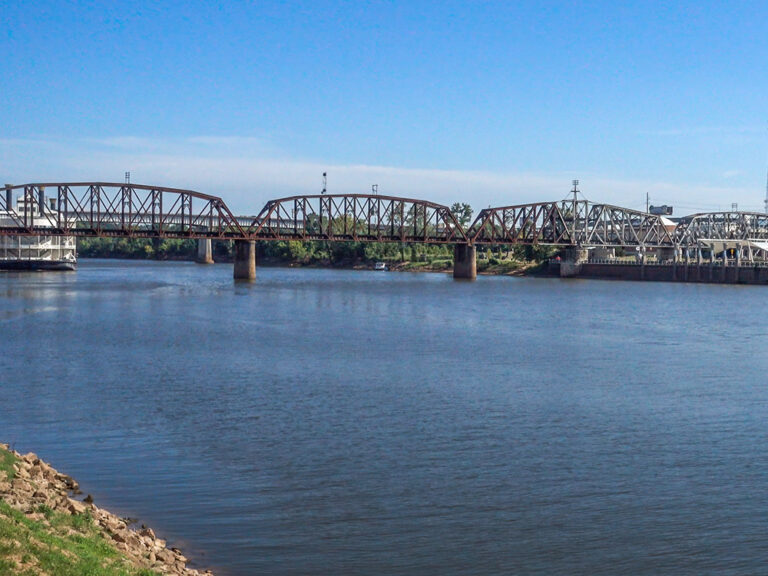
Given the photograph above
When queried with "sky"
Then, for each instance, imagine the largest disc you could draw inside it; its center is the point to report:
(484, 102)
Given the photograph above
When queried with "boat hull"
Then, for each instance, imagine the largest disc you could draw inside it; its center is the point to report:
(38, 265)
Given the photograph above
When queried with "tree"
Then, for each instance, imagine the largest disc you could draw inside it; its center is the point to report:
(463, 213)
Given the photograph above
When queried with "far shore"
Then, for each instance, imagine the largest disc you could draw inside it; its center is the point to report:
(504, 268)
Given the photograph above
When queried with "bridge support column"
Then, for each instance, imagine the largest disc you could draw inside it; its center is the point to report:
(724, 272)
(604, 253)
(245, 260)
(571, 264)
(464, 261)
(666, 254)
(204, 251)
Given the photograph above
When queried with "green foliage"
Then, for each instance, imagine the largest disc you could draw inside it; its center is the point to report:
(416, 265)
(7, 461)
(495, 259)
(463, 213)
(143, 248)
(443, 264)
(534, 253)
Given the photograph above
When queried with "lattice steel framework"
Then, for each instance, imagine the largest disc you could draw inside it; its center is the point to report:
(570, 223)
(356, 217)
(117, 210)
(133, 210)
(737, 227)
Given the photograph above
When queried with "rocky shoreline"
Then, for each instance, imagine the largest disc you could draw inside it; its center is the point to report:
(38, 491)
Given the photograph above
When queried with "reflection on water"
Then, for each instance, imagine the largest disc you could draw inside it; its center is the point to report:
(345, 422)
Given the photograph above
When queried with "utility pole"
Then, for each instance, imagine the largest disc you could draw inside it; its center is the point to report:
(766, 193)
(325, 183)
(574, 205)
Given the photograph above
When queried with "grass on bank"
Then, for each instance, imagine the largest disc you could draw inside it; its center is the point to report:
(55, 544)
(7, 462)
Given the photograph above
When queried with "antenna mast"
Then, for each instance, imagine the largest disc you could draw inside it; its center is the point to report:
(766, 193)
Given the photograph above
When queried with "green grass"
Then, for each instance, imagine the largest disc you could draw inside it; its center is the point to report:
(60, 544)
(416, 265)
(7, 460)
(441, 264)
(63, 545)
(502, 266)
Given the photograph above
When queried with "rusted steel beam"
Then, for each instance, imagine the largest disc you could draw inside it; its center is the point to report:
(357, 218)
(116, 210)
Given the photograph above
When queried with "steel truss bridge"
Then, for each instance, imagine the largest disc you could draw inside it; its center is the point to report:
(88, 209)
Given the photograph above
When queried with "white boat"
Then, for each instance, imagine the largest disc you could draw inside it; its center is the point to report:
(380, 266)
(35, 252)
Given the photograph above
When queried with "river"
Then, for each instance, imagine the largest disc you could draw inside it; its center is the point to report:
(357, 423)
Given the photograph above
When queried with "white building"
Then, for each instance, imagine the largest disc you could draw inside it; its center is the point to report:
(35, 252)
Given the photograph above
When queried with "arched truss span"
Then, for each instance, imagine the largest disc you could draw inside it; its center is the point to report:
(356, 217)
(570, 223)
(133, 210)
(117, 210)
(738, 227)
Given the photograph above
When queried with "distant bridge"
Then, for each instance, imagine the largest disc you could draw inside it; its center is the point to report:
(104, 209)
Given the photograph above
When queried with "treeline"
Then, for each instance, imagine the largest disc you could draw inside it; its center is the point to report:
(321, 253)
(137, 248)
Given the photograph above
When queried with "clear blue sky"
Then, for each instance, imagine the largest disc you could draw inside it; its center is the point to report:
(484, 102)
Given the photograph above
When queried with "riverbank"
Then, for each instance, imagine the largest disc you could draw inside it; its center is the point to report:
(500, 260)
(484, 267)
(47, 529)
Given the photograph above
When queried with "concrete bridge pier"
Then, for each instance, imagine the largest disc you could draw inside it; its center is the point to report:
(204, 251)
(464, 261)
(666, 254)
(724, 269)
(245, 260)
(571, 264)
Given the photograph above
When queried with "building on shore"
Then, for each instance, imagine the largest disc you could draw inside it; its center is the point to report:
(43, 252)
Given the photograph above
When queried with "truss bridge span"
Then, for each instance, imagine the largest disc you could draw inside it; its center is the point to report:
(131, 210)
(571, 223)
(104, 209)
(90, 209)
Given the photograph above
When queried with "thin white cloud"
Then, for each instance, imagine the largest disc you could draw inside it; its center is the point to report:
(247, 174)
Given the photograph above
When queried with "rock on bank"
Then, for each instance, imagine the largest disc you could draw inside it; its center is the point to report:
(38, 512)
